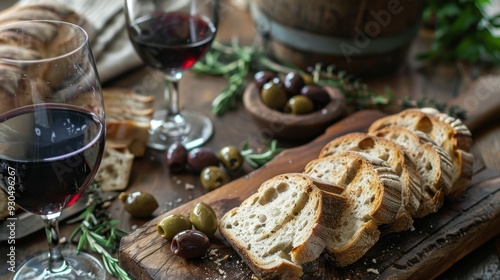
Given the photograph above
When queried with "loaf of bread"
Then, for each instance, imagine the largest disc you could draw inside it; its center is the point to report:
(397, 157)
(287, 222)
(447, 132)
(399, 171)
(41, 41)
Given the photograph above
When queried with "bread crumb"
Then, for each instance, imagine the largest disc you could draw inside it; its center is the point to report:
(372, 270)
(374, 261)
(189, 186)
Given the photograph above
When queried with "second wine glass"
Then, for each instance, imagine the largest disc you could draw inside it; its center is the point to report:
(170, 36)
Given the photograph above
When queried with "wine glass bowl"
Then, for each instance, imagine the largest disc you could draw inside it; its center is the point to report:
(170, 36)
(52, 133)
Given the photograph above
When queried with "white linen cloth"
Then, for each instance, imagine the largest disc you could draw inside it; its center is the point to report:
(111, 46)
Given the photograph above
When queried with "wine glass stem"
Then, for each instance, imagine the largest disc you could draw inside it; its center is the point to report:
(57, 264)
(172, 96)
(174, 127)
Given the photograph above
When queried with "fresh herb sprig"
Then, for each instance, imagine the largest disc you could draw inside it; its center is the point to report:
(99, 233)
(233, 63)
(257, 159)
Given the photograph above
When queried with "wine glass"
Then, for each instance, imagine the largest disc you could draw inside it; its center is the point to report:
(52, 133)
(171, 36)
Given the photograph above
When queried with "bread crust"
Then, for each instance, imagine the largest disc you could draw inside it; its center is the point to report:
(352, 167)
(433, 164)
(397, 157)
(373, 193)
(447, 132)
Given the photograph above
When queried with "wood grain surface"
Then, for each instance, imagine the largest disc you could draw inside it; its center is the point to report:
(436, 243)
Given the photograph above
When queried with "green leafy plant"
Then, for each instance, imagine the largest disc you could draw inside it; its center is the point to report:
(463, 31)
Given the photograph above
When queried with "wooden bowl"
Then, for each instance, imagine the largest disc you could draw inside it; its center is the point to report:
(275, 124)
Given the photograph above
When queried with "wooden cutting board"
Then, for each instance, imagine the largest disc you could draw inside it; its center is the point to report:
(438, 240)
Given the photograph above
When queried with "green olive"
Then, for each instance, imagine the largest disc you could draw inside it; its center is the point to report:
(212, 177)
(139, 204)
(308, 79)
(299, 105)
(231, 158)
(273, 96)
(204, 219)
(171, 225)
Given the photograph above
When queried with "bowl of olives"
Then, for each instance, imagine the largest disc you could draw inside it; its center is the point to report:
(291, 106)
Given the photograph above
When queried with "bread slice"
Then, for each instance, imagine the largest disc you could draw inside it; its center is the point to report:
(373, 193)
(116, 165)
(433, 163)
(284, 224)
(448, 133)
(128, 117)
(397, 158)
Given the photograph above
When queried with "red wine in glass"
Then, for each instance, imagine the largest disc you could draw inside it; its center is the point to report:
(168, 41)
(53, 151)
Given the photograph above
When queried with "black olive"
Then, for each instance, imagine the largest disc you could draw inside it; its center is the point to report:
(262, 77)
(190, 244)
(176, 158)
(293, 83)
(318, 95)
(200, 158)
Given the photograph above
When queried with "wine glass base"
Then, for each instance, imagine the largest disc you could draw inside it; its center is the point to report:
(199, 129)
(81, 266)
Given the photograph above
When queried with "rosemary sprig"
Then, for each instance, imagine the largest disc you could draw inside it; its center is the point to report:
(233, 63)
(99, 233)
(258, 159)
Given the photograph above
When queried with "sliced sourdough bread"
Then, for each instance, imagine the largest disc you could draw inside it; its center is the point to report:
(373, 193)
(433, 163)
(285, 223)
(396, 156)
(448, 133)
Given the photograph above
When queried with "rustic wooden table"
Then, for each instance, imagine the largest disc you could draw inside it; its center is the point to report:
(415, 80)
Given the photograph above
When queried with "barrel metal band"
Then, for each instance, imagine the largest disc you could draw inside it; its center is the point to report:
(311, 42)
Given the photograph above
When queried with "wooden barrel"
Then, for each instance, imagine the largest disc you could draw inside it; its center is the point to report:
(363, 37)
